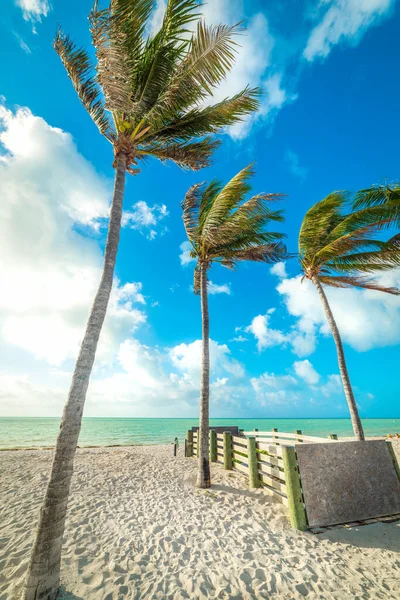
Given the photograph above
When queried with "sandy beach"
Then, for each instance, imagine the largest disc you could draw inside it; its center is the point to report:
(138, 528)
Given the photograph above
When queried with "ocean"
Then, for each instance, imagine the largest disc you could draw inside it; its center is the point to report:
(26, 432)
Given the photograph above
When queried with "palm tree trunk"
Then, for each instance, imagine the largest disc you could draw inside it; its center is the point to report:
(43, 578)
(203, 452)
(348, 390)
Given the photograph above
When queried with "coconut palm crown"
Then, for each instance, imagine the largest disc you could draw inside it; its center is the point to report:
(225, 228)
(341, 248)
(147, 93)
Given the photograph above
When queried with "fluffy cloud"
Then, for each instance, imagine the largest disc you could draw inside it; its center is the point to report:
(49, 272)
(34, 10)
(187, 357)
(266, 336)
(343, 21)
(305, 370)
(145, 218)
(366, 319)
(215, 288)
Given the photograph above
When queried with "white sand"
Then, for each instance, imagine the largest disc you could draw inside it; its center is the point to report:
(137, 528)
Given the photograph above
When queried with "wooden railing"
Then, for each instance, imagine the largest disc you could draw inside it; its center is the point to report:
(281, 437)
(267, 458)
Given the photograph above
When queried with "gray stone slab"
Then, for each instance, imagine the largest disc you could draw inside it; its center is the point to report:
(347, 481)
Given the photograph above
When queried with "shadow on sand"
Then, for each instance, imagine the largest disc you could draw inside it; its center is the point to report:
(376, 535)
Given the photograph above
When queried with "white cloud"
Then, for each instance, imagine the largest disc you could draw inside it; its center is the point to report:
(266, 336)
(184, 256)
(293, 163)
(34, 10)
(279, 269)
(305, 370)
(343, 21)
(366, 318)
(144, 217)
(332, 386)
(187, 357)
(49, 272)
(271, 389)
(215, 288)
(23, 45)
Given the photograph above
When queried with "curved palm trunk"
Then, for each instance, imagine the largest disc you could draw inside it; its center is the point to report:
(44, 567)
(348, 390)
(203, 452)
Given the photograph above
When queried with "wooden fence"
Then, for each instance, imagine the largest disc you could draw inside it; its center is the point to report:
(267, 458)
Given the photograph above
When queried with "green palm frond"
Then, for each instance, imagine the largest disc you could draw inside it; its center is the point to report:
(79, 68)
(357, 281)
(230, 196)
(197, 122)
(188, 155)
(216, 235)
(338, 245)
(377, 195)
(321, 218)
(267, 253)
(209, 59)
(156, 87)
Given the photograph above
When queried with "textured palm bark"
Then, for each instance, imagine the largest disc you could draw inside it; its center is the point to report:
(43, 578)
(203, 470)
(348, 390)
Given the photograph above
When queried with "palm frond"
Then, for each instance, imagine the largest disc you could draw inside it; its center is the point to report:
(209, 59)
(226, 200)
(267, 253)
(112, 59)
(162, 55)
(191, 209)
(79, 68)
(357, 281)
(192, 155)
(377, 195)
(319, 220)
(200, 121)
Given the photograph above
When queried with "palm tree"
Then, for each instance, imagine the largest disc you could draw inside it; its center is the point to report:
(147, 96)
(223, 228)
(339, 248)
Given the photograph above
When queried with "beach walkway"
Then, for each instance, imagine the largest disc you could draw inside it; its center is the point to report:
(138, 529)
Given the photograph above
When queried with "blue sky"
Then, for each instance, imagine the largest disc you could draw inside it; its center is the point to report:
(329, 120)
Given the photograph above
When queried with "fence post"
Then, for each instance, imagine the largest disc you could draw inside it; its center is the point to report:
(254, 478)
(189, 443)
(297, 512)
(298, 432)
(227, 450)
(332, 436)
(213, 445)
(275, 437)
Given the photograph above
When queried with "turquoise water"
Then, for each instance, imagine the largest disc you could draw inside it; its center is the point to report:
(42, 432)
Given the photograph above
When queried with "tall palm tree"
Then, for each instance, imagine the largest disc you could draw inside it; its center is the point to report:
(224, 228)
(147, 96)
(341, 248)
